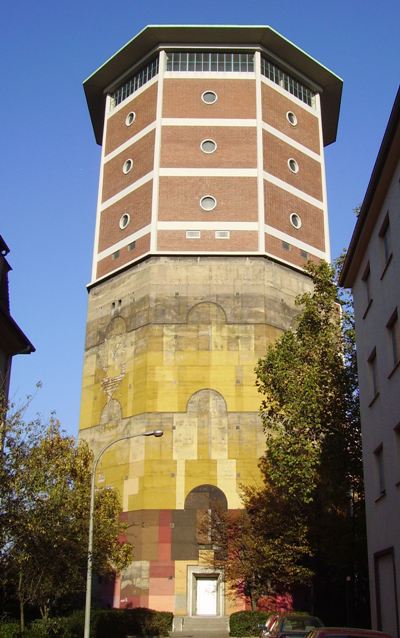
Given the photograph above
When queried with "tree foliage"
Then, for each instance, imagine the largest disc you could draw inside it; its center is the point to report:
(44, 499)
(312, 465)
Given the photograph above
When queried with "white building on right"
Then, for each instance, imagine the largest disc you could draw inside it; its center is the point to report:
(372, 270)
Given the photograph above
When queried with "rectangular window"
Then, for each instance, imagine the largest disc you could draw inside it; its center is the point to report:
(367, 286)
(384, 234)
(115, 255)
(397, 445)
(193, 234)
(132, 245)
(141, 76)
(285, 245)
(222, 234)
(276, 75)
(206, 61)
(380, 472)
(394, 335)
(373, 376)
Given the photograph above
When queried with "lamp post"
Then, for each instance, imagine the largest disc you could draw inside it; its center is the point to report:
(156, 433)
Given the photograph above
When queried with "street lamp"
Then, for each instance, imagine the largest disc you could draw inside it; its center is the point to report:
(156, 433)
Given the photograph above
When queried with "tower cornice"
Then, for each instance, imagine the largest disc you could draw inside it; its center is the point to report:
(155, 37)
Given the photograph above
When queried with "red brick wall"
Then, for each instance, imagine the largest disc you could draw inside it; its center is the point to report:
(276, 155)
(108, 264)
(274, 247)
(236, 98)
(179, 198)
(137, 204)
(142, 153)
(274, 109)
(236, 147)
(144, 105)
(176, 240)
(278, 206)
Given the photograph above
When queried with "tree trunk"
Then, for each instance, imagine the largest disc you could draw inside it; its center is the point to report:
(44, 611)
(21, 604)
(253, 601)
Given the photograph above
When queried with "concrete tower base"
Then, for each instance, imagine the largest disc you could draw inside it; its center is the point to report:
(172, 343)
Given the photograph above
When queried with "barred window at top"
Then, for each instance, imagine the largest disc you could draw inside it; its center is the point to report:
(225, 62)
(286, 81)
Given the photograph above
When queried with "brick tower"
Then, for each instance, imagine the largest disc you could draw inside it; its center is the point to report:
(211, 200)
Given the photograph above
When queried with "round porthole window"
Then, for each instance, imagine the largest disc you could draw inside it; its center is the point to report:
(130, 118)
(208, 202)
(209, 97)
(295, 220)
(124, 220)
(208, 146)
(291, 118)
(293, 165)
(128, 165)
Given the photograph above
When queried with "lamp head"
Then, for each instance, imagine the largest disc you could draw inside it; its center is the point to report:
(156, 433)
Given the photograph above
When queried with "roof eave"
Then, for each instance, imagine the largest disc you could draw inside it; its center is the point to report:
(155, 36)
(388, 155)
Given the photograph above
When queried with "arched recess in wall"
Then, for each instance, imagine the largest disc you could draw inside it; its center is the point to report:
(206, 497)
(205, 501)
(206, 312)
(207, 401)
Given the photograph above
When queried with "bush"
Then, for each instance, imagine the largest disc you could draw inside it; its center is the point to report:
(117, 623)
(139, 621)
(9, 630)
(246, 623)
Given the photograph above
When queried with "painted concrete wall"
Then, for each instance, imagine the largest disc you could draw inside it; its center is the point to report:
(172, 344)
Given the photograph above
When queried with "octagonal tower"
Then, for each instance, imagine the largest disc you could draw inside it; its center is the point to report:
(211, 200)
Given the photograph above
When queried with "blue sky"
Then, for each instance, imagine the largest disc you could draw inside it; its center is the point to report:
(49, 162)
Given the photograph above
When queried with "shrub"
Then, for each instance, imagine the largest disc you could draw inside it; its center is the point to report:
(9, 630)
(246, 623)
(139, 621)
(117, 623)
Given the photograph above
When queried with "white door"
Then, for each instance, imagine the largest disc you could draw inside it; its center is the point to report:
(206, 598)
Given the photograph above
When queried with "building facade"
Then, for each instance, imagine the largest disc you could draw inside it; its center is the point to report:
(372, 270)
(12, 340)
(211, 200)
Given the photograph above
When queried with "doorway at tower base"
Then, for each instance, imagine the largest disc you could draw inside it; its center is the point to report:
(205, 592)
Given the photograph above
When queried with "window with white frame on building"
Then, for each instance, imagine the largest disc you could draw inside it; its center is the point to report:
(394, 336)
(385, 237)
(380, 471)
(373, 375)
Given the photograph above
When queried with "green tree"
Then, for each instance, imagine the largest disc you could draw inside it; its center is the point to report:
(44, 498)
(312, 464)
(251, 564)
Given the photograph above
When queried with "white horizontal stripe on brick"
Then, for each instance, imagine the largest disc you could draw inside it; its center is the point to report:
(295, 242)
(210, 75)
(289, 140)
(208, 172)
(125, 191)
(207, 225)
(124, 242)
(129, 142)
(294, 191)
(217, 121)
